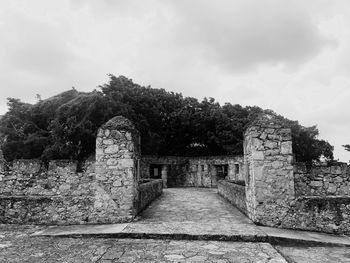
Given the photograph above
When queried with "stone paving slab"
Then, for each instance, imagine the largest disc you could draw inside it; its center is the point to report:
(76, 230)
(195, 231)
(191, 251)
(289, 236)
(314, 254)
(17, 246)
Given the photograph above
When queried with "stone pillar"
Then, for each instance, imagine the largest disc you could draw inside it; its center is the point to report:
(165, 175)
(268, 170)
(117, 152)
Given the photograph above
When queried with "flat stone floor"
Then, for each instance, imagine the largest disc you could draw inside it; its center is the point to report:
(193, 211)
(16, 245)
(315, 254)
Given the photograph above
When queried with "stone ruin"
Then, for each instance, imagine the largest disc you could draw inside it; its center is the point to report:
(104, 191)
(265, 184)
(281, 193)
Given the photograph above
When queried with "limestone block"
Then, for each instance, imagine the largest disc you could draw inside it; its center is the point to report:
(277, 164)
(112, 161)
(257, 144)
(64, 187)
(269, 131)
(111, 149)
(338, 179)
(270, 144)
(274, 137)
(108, 141)
(316, 183)
(117, 183)
(336, 170)
(286, 147)
(258, 155)
(332, 189)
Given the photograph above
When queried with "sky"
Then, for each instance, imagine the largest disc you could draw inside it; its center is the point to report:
(291, 56)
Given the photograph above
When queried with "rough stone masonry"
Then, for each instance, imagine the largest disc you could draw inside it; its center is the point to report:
(117, 153)
(105, 191)
(268, 159)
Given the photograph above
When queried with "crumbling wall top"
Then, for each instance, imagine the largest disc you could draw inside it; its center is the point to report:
(119, 123)
(266, 120)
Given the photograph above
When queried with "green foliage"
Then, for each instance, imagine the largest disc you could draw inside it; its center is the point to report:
(347, 147)
(65, 126)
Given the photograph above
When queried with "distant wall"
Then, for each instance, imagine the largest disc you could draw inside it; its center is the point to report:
(193, 171)
(322, 180)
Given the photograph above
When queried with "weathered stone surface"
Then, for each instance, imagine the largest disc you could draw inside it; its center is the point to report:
(322, 180)
(234, 193)
(117, 148)
(269, 171)
(17, 245)
(104, 191)
(147, 192)
(327, 214)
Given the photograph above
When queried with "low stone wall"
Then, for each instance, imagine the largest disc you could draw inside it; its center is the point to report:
(234, 193)
(322, 180)
(148, 191)
(325, 214)
(46, 210)
(60, 178)
(61, 193)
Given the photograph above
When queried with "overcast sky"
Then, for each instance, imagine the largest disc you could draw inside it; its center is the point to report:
(289, 56)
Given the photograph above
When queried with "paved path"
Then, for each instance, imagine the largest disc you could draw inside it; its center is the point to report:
(194, 211)
(17, 246)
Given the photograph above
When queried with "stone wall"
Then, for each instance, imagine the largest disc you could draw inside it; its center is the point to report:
(269, 171)
(282, 194)
(322, 180)
(329, 214)
(30, 192)
(149, 191)
(193, 171)
(105, 191)
(234, 193)
(33, 178)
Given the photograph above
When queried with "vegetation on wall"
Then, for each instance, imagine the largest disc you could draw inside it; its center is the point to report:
(65, 126)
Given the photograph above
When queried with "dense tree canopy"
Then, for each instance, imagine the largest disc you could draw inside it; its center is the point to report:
(65, 126)
(347, 147)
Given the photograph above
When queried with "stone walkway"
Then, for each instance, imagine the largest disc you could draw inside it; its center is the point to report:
(194, 212)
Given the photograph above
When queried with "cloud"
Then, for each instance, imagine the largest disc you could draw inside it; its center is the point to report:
(34, 46)
(241, 35)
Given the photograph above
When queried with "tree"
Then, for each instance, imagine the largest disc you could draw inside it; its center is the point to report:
(347, 147)
(65, 126)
